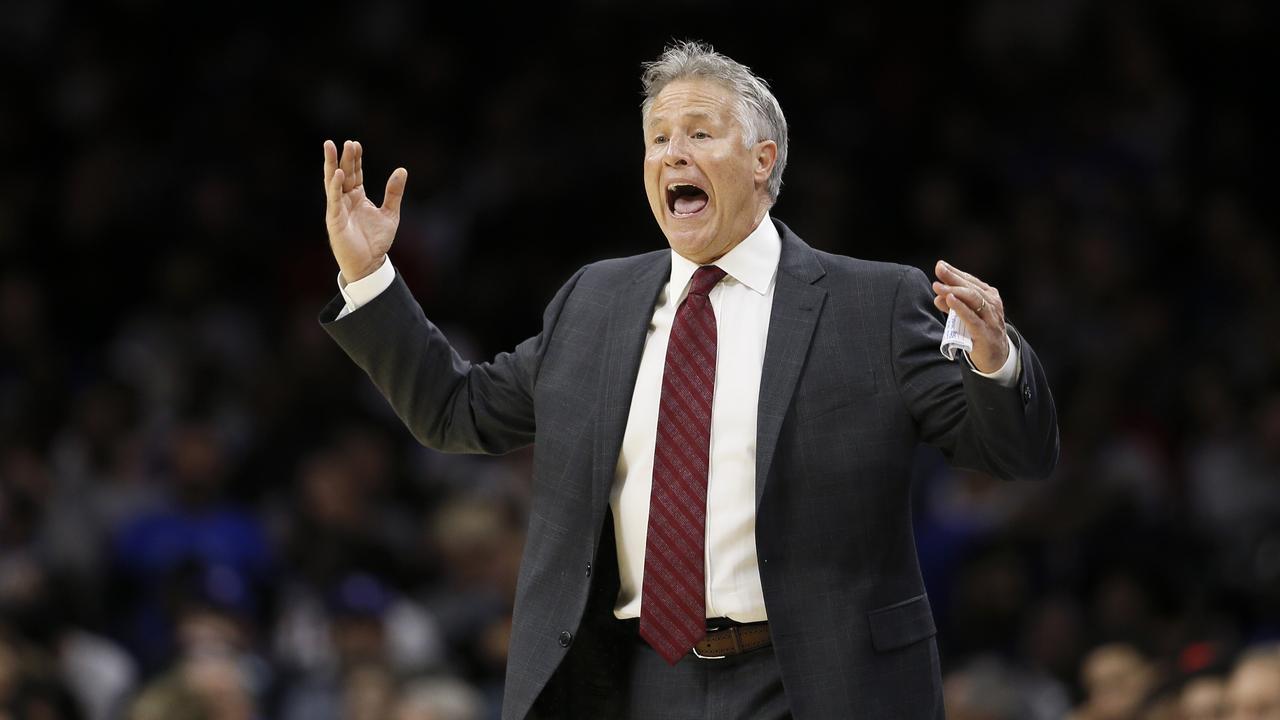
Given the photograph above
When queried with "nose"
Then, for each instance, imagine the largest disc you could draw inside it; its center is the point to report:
(677, 154)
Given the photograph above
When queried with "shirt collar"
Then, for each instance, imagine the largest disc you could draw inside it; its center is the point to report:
(752, 262)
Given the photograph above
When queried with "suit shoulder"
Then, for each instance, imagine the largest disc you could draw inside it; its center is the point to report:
(844, 269)
(610, 273)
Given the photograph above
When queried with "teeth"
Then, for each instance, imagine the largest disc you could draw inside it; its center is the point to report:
(672, 187)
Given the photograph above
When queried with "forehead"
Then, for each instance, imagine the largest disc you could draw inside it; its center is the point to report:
(692, 97)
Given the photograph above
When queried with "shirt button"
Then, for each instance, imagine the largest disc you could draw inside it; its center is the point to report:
(588, 569)
(566, 637)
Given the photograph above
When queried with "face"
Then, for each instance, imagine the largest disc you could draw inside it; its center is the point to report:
(706, 186)
(1202, 699)
(1117, 680)
(1253, 692)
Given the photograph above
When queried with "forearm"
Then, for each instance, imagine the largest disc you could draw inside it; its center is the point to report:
(1008, 430)
(448, 403)
(1011, 432)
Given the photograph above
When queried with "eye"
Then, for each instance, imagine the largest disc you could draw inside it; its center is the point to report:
(700, 135)
(659, 139)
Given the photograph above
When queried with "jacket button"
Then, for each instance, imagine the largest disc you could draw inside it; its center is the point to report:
(566, 637)
(588, 569)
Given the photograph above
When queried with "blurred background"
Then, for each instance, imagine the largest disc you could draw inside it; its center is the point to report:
(206, 511)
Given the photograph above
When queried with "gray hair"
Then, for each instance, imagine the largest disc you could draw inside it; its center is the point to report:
(758, 111)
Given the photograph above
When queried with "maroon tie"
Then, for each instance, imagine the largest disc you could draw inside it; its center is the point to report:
(673, 613)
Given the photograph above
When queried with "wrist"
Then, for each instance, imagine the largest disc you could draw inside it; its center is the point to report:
(350, 275)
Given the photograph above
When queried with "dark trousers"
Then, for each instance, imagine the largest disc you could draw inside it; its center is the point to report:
(738, 687)
(612, 673)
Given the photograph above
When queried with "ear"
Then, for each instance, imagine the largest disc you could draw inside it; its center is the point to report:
(765, 155)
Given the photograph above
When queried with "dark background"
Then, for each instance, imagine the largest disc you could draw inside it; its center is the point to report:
(187, 462)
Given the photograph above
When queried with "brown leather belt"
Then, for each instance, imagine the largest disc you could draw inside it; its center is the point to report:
(732, 640)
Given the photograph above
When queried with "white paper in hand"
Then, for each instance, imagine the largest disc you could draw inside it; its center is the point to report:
(955, 337)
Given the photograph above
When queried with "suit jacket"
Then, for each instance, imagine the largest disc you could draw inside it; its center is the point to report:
(852, 381)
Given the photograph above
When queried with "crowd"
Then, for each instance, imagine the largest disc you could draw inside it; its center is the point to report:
(206, 512)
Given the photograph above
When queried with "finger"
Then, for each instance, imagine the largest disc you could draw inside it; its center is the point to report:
(358, 177)
(970, 296)
(348, 164)
(972, 320)
(395, 190)
(951, 275)
(990, 345)
(956, 276)
(330, 161)
(333, 191)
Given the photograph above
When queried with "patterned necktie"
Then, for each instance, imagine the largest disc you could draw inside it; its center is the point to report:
(673, 597)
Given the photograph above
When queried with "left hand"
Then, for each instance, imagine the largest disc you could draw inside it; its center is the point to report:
(980, 309)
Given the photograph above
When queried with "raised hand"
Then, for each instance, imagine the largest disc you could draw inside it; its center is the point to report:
(980, 309)
(360, 233)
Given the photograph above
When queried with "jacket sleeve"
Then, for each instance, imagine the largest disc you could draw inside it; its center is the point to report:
(1010, 432)
(448, 403)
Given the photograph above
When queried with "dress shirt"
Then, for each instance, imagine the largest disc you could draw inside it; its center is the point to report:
(742, 302)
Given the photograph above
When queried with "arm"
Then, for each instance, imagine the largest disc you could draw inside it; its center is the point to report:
(978, 423)
(448, 403)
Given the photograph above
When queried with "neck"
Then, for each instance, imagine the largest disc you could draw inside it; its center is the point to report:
(761, 210)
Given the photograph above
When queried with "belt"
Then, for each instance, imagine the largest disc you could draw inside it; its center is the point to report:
(733, 640)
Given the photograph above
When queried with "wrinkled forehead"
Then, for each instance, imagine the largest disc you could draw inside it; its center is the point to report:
(692, 99)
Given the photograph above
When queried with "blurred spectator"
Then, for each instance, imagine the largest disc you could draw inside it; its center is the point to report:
(987, 689)
(207, 686)
(29, 683)
(1116, 680)
(1204, 698)
(438, 698)
(478, 543)
(374, 635)
(169, 699)
(92, 670)
(1253, 690)
(196, 542)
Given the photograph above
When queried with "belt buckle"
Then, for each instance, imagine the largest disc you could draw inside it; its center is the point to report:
(708, 657)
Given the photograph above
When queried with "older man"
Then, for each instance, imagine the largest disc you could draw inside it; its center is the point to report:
(723, 431)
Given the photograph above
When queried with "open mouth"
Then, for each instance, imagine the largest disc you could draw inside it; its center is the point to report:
(684, 200)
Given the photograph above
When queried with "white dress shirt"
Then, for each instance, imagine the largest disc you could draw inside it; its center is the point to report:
(742, 302)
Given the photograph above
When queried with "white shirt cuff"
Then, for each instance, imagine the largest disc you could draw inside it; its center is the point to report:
(1007, 375)
(365, 289)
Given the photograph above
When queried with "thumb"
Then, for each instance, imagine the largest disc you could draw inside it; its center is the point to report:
(395, 190)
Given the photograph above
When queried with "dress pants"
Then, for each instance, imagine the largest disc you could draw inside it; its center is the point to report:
(737, 687)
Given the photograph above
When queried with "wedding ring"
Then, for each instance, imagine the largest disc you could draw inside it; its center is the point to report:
(984, 305)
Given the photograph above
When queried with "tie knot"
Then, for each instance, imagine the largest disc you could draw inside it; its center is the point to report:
(705, 278)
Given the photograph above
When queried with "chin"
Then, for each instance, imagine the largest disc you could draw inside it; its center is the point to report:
(690, 244)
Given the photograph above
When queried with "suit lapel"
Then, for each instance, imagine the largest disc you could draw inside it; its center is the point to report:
(797, 303)
(629, 318)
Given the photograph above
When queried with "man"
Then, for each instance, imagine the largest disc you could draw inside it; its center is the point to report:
(1117, 679)
(723, 432)
(1253, 690)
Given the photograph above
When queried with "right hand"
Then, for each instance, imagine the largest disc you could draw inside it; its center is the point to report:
(360, 233)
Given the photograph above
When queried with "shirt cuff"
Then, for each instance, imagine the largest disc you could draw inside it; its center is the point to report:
(1007, 375)
(362, 291)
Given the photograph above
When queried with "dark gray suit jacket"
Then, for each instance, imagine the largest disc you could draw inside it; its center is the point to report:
(852, 381)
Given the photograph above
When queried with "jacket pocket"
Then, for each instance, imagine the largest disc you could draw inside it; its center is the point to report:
(901, 623)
